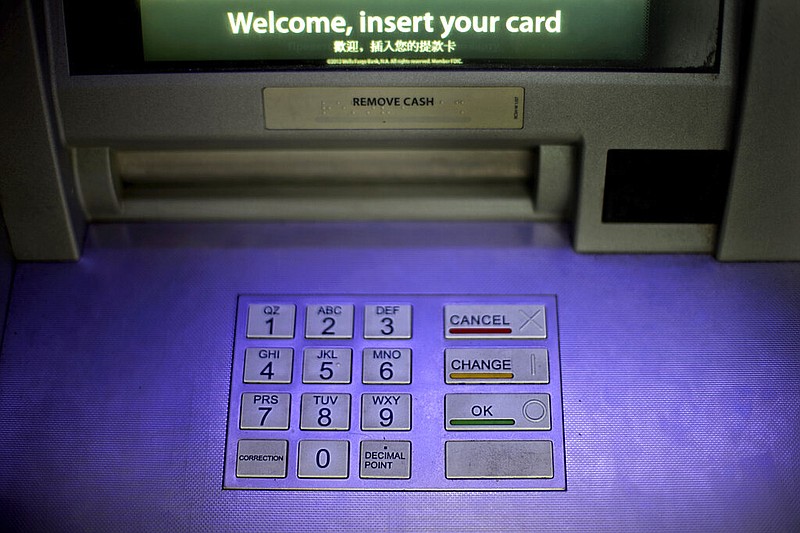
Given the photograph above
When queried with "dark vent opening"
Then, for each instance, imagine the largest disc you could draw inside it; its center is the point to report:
(666, 186)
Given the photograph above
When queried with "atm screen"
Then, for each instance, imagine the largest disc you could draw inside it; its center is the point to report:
(176, 35)
(408, 32)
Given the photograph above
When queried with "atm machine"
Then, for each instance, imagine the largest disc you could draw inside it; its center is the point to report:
(400, 266)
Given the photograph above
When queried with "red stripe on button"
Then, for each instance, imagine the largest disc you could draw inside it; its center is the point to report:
(480, 331)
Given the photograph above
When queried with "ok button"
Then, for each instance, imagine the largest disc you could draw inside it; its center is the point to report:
(497, 412)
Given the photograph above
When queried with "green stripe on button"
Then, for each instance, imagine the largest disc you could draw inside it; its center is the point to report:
(482, 422)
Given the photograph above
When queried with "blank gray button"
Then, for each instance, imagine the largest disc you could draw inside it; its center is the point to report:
(485, 459)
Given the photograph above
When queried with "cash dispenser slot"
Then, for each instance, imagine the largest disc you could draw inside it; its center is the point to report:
(464, 184)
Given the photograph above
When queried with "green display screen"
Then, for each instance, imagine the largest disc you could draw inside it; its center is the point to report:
(397, 33)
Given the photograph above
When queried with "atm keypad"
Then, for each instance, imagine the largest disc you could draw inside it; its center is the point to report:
(403, 392)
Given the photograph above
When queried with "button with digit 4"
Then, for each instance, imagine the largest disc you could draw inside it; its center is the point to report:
(268, 365)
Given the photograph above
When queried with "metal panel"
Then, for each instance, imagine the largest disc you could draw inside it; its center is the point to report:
(38, 197)
(763, 216)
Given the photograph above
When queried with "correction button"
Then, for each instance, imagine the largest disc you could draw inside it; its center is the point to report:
(261, 458)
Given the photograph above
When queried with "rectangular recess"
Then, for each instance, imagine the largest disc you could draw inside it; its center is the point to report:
(166, 168)
(666, 186)
(427, 430)
(327, 184)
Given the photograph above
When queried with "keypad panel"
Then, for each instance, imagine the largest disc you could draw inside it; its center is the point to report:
(396, 392)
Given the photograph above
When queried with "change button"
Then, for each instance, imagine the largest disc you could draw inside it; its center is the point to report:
(496, 365)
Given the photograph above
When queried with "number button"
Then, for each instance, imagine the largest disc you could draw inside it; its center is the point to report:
(268, 365)
(326, 412)
(387, 321)
(327, 365)
(329, 321)
(323, 459)
(386, 365)
(385, 412)
(270, 321)
(265, 410)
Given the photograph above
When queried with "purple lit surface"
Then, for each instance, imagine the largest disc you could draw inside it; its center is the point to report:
(680, 380)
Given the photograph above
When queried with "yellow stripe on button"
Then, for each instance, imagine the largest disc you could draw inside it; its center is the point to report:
(481, 375)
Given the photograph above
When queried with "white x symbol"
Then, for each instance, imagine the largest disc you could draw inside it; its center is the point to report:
(530, 318)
